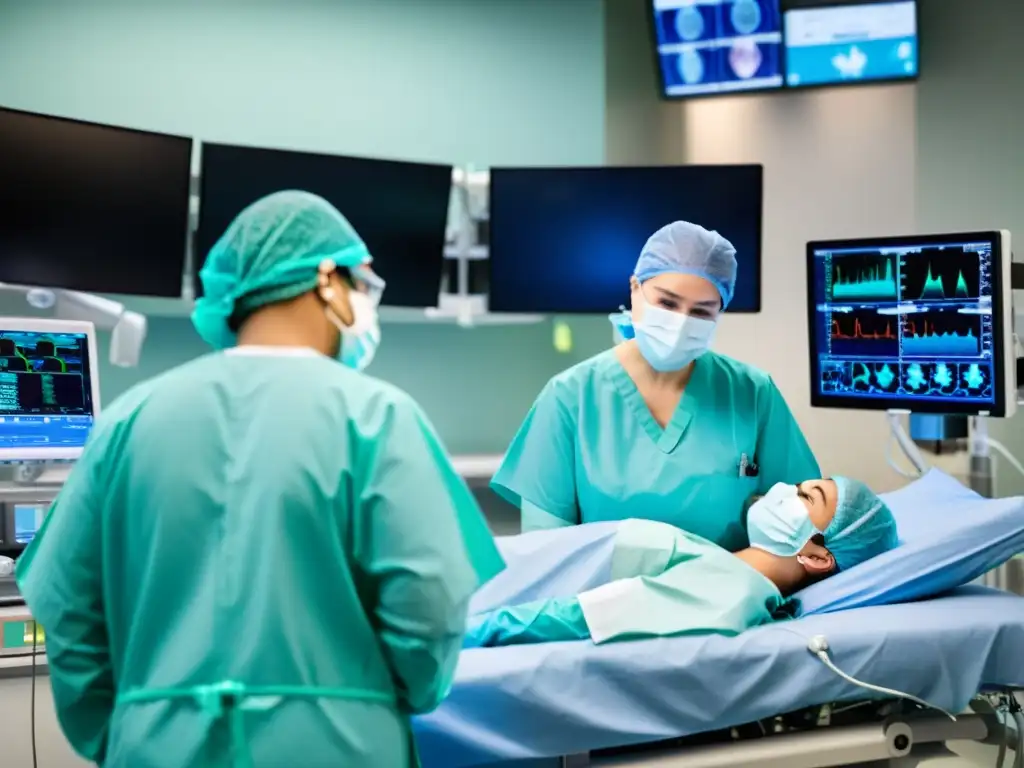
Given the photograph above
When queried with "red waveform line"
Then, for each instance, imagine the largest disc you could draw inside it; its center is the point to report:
(858, 332)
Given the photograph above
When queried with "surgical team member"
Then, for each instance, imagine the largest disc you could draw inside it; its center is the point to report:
(264, 557)
(659, 427)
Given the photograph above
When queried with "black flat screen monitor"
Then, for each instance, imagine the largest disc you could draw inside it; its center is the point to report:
(846, 44)
(89, 207)
(400, 209)
(717, 46)
(918, 323)
(566, 240)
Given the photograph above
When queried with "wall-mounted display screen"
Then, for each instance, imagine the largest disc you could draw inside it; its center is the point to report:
(845, 44)
(718, 46)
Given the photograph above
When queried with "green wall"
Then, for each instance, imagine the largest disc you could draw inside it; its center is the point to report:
(485, 82)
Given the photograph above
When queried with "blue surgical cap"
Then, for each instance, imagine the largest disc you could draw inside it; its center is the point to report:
(690, 249)
(270, 253)
(863, 526)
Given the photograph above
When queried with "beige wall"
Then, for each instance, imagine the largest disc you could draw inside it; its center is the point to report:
(838, 163)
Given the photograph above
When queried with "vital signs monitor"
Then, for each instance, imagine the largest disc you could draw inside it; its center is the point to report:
(917, 323)
(49, 388)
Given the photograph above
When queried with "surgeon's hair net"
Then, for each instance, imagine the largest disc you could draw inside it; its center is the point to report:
(863, 526)
(690, 249)
(271, 253)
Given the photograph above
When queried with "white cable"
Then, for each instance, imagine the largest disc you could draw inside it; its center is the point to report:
(910, 449)
(891, 461)
(818, 645)
(1006, 454)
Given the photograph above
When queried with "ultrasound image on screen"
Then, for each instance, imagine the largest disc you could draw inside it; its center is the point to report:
(718, 46)
(905, 326)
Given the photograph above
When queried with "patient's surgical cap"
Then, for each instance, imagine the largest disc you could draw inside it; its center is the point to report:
(690, 249)
(863, 525)
(270, 253)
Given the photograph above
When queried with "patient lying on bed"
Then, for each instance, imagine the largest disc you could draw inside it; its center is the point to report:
(665, 581)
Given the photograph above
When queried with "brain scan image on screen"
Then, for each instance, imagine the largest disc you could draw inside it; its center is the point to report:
(718, 46)
(689, 23)
(745, 58)
(746, 16)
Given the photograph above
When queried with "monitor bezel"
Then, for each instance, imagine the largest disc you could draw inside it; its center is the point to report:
(1003, 363)
(828, 5)
(43, 325)
(652, 33)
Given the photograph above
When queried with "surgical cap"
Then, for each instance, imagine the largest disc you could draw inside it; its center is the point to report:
(693, 250)
(863, 526)
(270, 253)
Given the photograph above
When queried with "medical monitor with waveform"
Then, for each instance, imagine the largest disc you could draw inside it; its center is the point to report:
(49, 393)
(566, 240)
(707, 47)
(851, 43)
(919, 323)
(400, 209)
(92, 208)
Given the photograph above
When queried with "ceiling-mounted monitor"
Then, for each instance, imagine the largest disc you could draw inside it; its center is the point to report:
(400, 209)
(566, 240)
(92, 208)
(849, 43)
(921, 323)
(717, 46)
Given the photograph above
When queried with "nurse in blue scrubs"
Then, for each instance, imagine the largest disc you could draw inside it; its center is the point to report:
(659, 427)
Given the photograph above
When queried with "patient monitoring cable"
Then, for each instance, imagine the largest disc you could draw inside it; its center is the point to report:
(818, 645)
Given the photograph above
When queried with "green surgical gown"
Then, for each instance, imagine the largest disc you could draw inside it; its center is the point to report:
(589, 450)
(258, 561)
(664, 582)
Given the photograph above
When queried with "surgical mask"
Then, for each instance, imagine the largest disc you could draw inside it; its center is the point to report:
(670, 341)
(778, 522)
(360, 340)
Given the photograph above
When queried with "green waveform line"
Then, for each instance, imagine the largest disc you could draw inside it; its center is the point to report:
(873, 283)
(934, 289)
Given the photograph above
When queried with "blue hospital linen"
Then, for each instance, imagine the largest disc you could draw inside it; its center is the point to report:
(589, 450)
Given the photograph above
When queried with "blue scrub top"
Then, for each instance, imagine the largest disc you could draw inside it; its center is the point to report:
(589, 450)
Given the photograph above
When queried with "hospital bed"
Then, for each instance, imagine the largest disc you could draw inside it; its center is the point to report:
(762, 698)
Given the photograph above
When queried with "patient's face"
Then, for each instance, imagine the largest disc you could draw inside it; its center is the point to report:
(820, 497)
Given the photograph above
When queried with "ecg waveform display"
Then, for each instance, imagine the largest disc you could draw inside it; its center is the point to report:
(905, 324)
(864, 277)
(864, 332)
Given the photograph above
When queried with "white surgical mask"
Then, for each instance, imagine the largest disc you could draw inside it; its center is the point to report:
(360, 340)
(669, 341)
(778, 522)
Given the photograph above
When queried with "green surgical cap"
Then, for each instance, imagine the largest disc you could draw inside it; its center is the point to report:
(863, 526)
(270, 253)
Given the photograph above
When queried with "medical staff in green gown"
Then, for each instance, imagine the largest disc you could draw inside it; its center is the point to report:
(264, 556)
(659, 427)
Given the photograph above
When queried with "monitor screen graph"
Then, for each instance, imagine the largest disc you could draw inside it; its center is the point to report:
(718, 46)
(851, 43)
(47, 396)
(916, 324)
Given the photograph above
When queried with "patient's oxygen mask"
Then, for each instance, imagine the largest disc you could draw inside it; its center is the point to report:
(778, 522)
